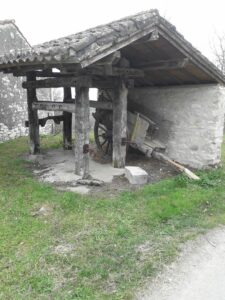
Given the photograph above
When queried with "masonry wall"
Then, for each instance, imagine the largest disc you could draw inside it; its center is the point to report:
(190, 120)
(13, 109)
(13, 103)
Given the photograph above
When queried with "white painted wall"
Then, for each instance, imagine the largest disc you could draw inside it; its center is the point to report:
(190, 120)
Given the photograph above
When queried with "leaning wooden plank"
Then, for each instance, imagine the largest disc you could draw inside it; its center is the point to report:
(174, 164)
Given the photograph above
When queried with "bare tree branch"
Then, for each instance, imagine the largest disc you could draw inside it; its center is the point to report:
(218, 48)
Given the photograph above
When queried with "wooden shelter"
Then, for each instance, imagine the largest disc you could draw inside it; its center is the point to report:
(138, 51)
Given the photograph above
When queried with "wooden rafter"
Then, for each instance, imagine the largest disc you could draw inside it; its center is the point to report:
(165, 64)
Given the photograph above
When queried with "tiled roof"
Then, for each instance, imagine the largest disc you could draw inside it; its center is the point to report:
(81, 46)
(93, 44)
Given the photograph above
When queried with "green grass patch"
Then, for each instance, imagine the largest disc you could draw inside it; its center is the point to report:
(92, 248)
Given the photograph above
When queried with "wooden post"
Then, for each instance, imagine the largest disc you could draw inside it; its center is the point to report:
(120, 125)
(82, 132)
(67, 122)
(33, 118)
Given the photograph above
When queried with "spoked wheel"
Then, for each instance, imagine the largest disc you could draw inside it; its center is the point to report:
(103, 138)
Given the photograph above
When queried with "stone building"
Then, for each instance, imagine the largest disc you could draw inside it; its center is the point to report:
(13, 103)
(149, 67)
(13, 97)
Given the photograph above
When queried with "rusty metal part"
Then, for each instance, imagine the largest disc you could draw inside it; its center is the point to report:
(86, 148)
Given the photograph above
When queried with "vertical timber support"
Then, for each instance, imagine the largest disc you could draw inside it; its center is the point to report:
(82, 132)
(67, 122)
(33, 118)
(119, 125)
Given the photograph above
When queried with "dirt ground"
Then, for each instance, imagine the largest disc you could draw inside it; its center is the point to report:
(57, 167)
(156, 171)
(197, 274)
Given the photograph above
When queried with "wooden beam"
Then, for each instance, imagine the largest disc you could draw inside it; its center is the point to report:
(110, 59)
(86, 81)
(165, 64)
(69, 107)
(113, 71)
(153, 36)
(58, 82)
(120, 125)
(33, 118)
(119, 45)
(99, 71)
(67, 121)
(82, 132)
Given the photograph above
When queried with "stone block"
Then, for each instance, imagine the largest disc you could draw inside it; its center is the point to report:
(136, 175)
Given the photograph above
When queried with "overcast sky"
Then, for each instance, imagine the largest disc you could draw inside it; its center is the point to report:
(43, 20)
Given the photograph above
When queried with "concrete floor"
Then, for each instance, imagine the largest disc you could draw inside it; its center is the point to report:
(57, 166)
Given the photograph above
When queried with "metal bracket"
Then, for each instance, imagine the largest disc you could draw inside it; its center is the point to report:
(125, 141)
(85, 148)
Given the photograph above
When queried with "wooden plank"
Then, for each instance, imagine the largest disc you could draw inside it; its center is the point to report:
(69, 107)
(67, 121)
(99, 70)
(86, 81)
(165, 64)
(177, 166)
(58, 82)
(33, 118)
(119, 125)
(82, 132)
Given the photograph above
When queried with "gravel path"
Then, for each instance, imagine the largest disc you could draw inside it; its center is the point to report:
(198, 273)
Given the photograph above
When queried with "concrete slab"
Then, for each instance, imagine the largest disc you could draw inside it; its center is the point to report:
(57, 166)
(136, 175)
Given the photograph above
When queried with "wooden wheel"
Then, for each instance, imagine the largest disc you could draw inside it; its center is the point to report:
(103, 138)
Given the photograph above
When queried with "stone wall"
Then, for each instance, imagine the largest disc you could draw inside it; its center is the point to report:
(190, 120)
(13, 109)
(13, 102)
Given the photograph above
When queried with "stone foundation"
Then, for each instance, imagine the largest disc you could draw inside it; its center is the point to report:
(190, 120)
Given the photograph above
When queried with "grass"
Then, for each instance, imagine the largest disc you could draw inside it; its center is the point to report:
(91, 248)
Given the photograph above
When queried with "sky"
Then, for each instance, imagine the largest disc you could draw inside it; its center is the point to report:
(42, 20)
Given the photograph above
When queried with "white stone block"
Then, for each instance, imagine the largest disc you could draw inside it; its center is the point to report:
(136, 175)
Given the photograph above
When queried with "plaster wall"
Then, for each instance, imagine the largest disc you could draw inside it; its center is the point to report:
(190, 120)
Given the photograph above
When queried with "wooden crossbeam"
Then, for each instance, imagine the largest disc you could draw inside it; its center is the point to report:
(68, 107)
(58, 82)
(101, 71)
(165, 64)
(81, 81)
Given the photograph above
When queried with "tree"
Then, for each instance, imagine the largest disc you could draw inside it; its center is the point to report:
(218, 48)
